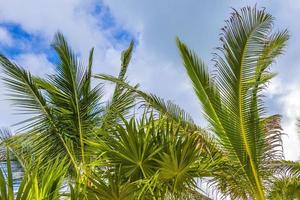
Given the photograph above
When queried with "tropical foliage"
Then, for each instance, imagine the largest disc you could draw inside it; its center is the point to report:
(37, 183)
(77, 145)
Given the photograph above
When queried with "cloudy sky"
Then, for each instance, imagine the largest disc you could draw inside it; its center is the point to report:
(27, 29)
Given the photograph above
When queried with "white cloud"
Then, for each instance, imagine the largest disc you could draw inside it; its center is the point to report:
(285, 89)
(290, 102)
(73, 18)
(43, 18)
(47, 17)
(5, 37)
(38, 64)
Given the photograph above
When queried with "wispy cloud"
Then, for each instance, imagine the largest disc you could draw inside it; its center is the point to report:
(5, 38)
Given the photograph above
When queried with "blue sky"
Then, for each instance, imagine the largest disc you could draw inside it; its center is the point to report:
(27, 28)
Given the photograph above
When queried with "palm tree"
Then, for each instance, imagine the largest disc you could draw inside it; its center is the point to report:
(231, 99)
(65, 111)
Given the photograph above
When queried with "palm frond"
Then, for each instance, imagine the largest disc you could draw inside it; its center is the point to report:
(26, 96)
(287, 168)
(4, 135)
(110, 186)
(172, 112)
(231, 99)
(168, 108)
(285, 188)
(64, 109)
(33, 185)
(134, 149)
(123, 98)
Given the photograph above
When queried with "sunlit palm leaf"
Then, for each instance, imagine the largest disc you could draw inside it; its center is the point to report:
(287, 188)
(25, 95)
(36, 184)
(232, 99)
(64, 108)
(110, 186)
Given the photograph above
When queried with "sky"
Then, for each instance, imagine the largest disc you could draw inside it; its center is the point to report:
(27, 29)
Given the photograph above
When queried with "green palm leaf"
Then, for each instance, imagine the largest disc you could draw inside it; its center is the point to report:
(285, 188)
(231, 101)
(64, 108)
(123, 98)
(26, 96)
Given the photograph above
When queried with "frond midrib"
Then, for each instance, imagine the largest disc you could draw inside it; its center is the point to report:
(242, 122)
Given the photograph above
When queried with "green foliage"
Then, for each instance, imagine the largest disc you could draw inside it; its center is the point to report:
(110, 186)
(156, 157)
(64, 108)
(36, 184)
(231, 99)
(287, 188)
(248, 139)
(108, 156)
(75, 146)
